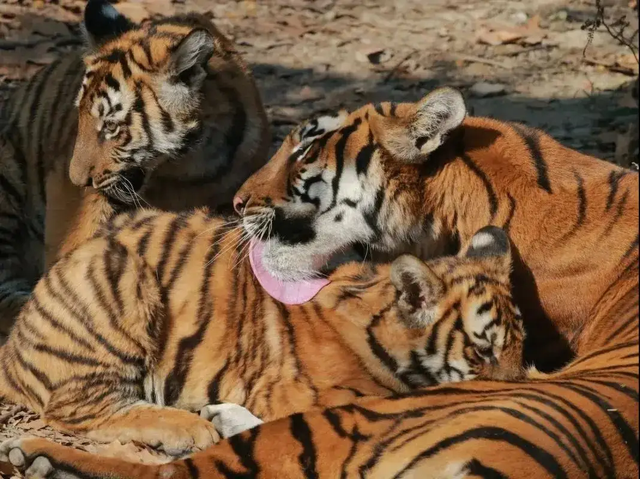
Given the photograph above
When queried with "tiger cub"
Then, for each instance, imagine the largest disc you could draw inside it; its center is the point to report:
(162, 313)
(164, 103)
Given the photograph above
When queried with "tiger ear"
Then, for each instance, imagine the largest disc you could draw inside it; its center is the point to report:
(411, 138)
(491, 243)
(102, 22)
(420, 289)
(190, 56)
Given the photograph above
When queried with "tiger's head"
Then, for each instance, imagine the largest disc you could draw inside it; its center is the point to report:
(347, 178)
(140, 97)
(444, 320)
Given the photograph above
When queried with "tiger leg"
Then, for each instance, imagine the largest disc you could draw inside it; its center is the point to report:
(39, 459)
(175, 431)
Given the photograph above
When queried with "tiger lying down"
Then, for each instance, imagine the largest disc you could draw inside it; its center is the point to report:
(161, 313)
(381, 175)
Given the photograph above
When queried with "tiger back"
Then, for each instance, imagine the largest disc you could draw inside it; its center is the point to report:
(161, 313)
(166, 102)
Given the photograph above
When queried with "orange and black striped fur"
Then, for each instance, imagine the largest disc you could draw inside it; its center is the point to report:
(161, 312)
(387, 174)
(164, 113)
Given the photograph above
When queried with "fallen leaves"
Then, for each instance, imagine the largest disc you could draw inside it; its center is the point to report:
(528, 33)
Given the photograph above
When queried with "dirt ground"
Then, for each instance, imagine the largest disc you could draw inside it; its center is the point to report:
(522, 61)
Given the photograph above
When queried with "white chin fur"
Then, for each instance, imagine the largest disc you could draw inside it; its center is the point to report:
(290, 263)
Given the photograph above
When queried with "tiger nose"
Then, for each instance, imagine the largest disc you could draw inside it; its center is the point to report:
(240, 202)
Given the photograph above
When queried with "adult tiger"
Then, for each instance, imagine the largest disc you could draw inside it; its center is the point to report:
(384, 174)
(170, 89)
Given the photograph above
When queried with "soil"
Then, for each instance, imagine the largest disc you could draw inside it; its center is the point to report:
(522, 61)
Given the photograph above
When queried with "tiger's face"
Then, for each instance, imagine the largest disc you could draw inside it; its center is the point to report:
(345, 179)
(444, 320)
(139, 100)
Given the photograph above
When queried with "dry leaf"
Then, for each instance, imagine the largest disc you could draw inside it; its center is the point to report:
(134, 11)
(528, 33)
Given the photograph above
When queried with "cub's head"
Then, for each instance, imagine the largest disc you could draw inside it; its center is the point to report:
(446, 319)
(347, 178)
(140, 97)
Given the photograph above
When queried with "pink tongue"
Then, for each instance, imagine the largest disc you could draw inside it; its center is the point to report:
(287, 292)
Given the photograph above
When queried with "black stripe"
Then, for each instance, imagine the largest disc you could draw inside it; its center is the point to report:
(614, 182)
(532, 140)
(194, 473)
(476, 468)
(112, 82)
(365, 154)
(341, 145)
(512, 210)
(143, 243)
(186, 347)
(69, 357)
(213, 391)
(627, 433)
(302, 433)
(493, 198)
(547, 398)
(139, 107)
(633, 246)
(176, 226)
(371, 216)
(541, 456)
(376, 348)
(11, 192)
(57, 325)
(115, 263)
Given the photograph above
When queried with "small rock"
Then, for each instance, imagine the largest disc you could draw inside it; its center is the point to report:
(560, 15)
(519, 18)
(484, 89)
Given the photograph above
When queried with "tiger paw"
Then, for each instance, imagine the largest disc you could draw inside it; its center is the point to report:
(174, 431)
(229, 419)
(25, 455)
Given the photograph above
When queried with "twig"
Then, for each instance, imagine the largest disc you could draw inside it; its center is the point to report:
(613, 68)
(527, 50)
(486, 61)
(393, 71)
(592, 25)
(10, 413)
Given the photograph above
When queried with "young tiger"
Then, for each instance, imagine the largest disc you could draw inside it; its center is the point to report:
(162, 313)
(164, 105)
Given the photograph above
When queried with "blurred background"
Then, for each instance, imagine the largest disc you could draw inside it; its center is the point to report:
(567, 66)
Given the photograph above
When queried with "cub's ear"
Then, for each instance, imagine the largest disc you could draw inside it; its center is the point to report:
(102, 22)
(190, 56)
(491, 243)
(412, 138)
(419, 288)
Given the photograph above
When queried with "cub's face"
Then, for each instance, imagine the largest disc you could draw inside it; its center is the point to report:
(139, 100)
(444, 320)
(345, 179)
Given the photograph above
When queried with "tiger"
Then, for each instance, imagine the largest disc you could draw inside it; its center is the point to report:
(161, 314)
(423, 177)
(167, 105)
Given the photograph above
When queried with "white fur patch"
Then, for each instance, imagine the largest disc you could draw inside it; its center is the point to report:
(482, 240)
